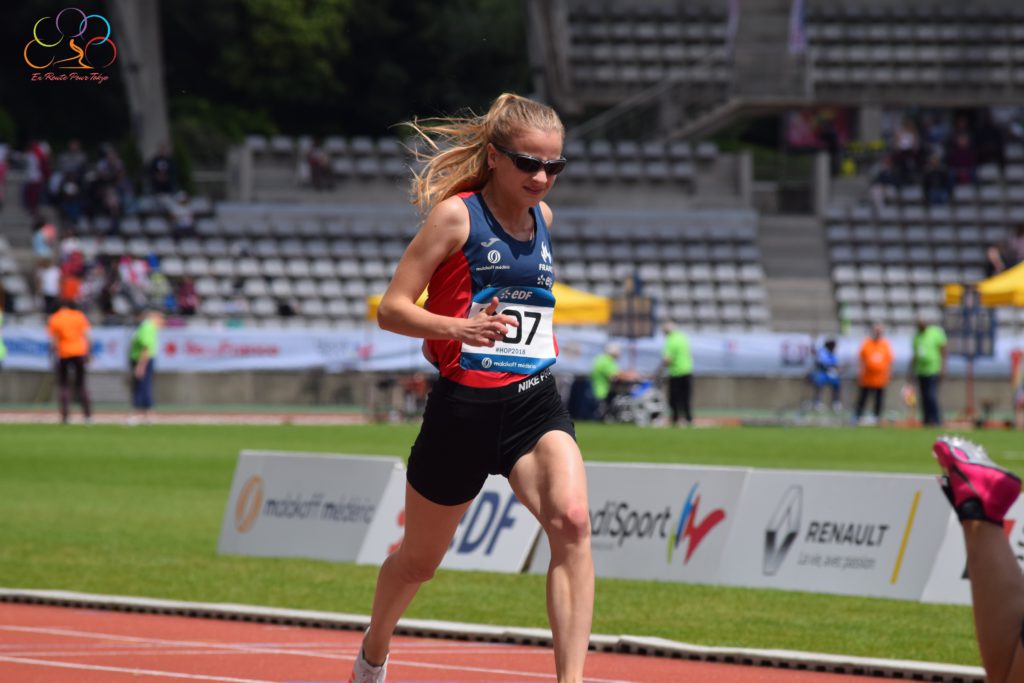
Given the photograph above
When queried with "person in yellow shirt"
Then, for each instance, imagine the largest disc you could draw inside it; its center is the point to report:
(875, 370)
(69, 330)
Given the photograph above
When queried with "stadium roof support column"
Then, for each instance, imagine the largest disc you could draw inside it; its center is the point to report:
(547, 36)
(142, 66)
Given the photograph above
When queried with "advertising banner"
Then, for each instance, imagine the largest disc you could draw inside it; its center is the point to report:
(369, 349)
(495, 534)
(845, 533)
(303, 504)
(661, 522)
(948, 582)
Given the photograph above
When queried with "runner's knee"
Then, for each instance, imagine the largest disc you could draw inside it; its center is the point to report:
(570, 524)
(413, 568)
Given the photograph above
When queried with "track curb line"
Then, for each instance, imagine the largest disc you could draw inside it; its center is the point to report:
(657, 647)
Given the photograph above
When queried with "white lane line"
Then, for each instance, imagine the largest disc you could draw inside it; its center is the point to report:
(297, 653)
(150, 651)
(130, 671)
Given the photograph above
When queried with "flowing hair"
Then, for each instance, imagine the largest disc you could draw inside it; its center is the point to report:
(455, 156)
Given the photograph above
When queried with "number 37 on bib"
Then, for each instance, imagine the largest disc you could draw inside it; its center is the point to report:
(526, 349)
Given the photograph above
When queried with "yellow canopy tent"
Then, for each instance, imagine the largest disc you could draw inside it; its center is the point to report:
(573, 307)
(1004, 289)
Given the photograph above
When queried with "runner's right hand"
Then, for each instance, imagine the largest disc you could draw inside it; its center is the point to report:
(486, 327)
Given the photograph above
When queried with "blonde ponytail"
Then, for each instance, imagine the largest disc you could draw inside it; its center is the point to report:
(455, 159)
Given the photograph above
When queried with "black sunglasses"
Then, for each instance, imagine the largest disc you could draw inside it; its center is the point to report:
(530, 164)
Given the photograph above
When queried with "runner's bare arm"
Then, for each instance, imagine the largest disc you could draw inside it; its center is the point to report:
(443, 233)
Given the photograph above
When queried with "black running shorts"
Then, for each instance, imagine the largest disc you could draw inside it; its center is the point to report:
(468, 433)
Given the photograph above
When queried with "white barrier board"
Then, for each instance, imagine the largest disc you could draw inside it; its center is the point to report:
(495, 534)
(303, 505)
(657, 521)
(948, 582)
(845, 533)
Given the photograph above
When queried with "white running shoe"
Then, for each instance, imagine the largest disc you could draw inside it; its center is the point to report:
(363, 672)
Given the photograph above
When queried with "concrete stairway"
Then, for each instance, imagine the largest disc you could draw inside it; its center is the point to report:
(797, 279)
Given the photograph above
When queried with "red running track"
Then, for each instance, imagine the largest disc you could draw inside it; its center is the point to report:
(41, 644)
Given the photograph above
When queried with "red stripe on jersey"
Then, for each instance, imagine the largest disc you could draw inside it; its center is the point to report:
(450, 293)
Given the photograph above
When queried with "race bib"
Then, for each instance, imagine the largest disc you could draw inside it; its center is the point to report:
(526, 349)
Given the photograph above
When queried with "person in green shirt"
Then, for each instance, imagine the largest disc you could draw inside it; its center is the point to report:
(142, 355)
(3, 348)
(604, 374)
(677, 361)
(929, 365)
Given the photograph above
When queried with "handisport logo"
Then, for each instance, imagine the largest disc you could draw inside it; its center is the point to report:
(690, 529)
(70, 46)
(249, 503)
(783, 529)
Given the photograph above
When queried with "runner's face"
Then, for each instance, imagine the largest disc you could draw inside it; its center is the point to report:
(515, 183)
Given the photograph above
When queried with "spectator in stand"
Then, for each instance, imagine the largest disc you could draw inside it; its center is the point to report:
(161, 173)
(49, 285)
(73, 159)
(4, 151)
(113, 188)
(134, 276)
(69, 329)
(92, 286)
(187, 299)
(937, 182)
(962, 159)
(71, 272)
(37, 175)
(160, 291)
(936, 134)
(929, 365)
(989, 141)
(1006, 254)
(183, 219)
(875, 370)
(44, 241)
(907, 147)
(320, 172)
(885, 185)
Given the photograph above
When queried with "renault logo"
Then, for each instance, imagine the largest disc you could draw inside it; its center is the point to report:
(783, 529)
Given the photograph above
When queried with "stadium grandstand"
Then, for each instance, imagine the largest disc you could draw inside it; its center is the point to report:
(762, 204)
(730, 158)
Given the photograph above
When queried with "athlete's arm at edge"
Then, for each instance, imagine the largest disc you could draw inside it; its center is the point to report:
(442, 235)
(443, 232)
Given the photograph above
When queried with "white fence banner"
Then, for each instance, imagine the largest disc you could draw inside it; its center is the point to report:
(845, 533)
(369, 349)
(303, 504)
(495, 534)
(948, 582)
(657, 521)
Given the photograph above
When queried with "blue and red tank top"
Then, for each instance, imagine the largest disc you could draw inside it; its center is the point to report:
(521, 274)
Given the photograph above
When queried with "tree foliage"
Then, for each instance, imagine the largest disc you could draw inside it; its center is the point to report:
(314, 67)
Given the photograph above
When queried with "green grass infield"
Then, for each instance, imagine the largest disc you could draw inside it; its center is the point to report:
(137, 511)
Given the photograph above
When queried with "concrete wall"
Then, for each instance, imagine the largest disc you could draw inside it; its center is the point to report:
(317, 388)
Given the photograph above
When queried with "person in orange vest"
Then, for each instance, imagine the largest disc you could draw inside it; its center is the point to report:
(875, 370)
(69, 329)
